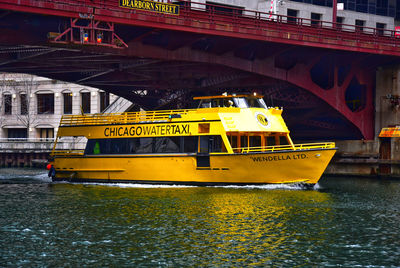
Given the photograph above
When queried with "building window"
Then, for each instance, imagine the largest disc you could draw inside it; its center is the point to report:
(46, 133)
(104, 100)
(67, 103)
(382, 7)
(360, 25)
(45, 103)
(319, 2)
(292, 15)
(17, 133)
(362, 6)
(380, 28)
(7, 103)
(24, 104)
(223, 9)
(316, 19)
(85, 97)
(379, 7)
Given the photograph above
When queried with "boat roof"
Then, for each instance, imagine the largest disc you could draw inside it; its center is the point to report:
(229, 96)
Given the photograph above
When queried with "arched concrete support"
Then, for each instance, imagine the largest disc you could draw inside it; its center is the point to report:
(387, 97)
(298, 75)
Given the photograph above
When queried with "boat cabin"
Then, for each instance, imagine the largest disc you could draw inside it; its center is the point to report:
(222, 124)
(261, 135)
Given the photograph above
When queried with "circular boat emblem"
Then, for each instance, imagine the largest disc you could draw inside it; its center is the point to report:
(262, 119)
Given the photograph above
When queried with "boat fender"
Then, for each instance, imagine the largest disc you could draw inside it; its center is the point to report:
(52, 172)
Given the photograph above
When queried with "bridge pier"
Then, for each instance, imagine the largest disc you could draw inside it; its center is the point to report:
(387, 99)
(380, 156)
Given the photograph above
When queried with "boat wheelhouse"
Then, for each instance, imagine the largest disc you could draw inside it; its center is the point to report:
(228, 139)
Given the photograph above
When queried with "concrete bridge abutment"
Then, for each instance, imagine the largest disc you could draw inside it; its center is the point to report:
(380, 156)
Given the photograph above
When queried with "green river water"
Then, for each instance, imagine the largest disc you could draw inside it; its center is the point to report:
(343, 222)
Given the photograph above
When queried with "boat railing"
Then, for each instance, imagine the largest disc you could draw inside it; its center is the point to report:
(122, 118)
(296, 147)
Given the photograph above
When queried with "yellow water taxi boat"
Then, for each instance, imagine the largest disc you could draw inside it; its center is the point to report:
(228, 139)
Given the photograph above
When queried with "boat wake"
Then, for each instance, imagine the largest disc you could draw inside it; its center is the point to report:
(269, 187)
(145, 185)
(14, 175)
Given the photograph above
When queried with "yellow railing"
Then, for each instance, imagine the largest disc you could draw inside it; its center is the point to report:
(305, 146)
(297, 147)
(121, 118)
(67, 152)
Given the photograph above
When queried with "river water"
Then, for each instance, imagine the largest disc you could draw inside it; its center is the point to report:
(344, 222)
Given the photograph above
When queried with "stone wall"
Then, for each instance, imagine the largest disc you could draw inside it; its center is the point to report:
(362, 158)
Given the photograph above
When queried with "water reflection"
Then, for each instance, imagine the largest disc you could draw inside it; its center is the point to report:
(347, 222)
(208, 225)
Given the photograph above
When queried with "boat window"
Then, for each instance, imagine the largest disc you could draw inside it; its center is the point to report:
(204, 144)
(241, 102)
(215, 103)
(213, 143)
(147, 145)
(228, 103)
(90, 147)
(233, 140)
(255, 141)
(119, 146)
(102, 146)
(253, 103)
(271, 141)
(243, 141)
(283, 140)
(262, 103)
(167, 145)
(205, 104)
(217, 144)
(256, 103)
(190, 144)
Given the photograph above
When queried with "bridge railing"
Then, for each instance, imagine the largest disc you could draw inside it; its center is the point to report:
(210, 17)
(236, 16)
(206, 14)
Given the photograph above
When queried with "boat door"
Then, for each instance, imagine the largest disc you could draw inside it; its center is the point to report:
(203, 154)
(385, 154)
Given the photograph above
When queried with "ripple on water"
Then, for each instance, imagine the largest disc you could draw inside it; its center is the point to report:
(342, 223)
(23, 175)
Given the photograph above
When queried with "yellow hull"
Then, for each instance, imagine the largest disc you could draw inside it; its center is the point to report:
(300, 166)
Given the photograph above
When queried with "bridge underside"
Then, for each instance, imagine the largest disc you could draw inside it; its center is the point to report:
(326, 94)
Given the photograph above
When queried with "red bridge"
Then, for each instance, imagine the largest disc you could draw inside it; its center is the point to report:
(323, 74)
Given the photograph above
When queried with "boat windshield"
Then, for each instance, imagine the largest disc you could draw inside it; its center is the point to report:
(241, 102)
(205, 104)
(250, 103)
(261, 103)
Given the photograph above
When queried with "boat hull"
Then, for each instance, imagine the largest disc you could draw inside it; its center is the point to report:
(300, 166)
